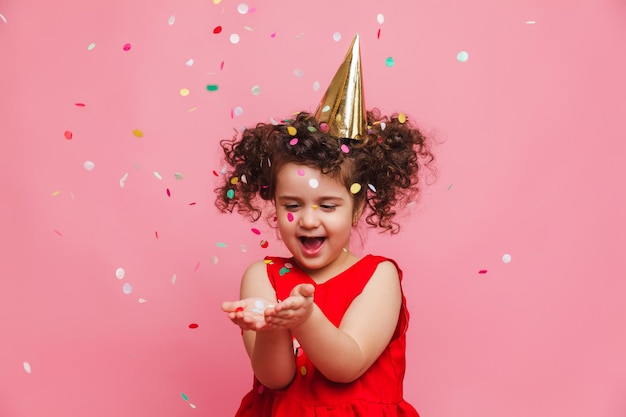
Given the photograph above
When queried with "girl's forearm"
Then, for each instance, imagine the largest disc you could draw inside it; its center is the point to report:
(335, 354)
(272, 358)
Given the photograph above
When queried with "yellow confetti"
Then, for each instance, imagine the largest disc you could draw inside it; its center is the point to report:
(234, 180)
(291, 130)
(138, 133)
(217, 1)
(303, 371)
(355, 188)
(56, 193)
(184, 92)
(402, 117)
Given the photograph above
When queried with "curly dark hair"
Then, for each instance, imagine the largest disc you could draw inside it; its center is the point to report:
(386, 163)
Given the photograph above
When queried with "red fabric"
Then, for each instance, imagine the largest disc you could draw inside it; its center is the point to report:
(377, 393)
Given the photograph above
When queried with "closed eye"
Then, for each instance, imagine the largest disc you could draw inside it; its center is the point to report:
(328, 207)
(292, 207)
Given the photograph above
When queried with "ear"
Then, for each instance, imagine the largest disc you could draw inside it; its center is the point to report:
(358, 210)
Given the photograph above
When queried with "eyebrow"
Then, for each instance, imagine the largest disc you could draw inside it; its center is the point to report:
(323, 198)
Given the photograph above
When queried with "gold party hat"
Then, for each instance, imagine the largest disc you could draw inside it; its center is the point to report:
(343, 108)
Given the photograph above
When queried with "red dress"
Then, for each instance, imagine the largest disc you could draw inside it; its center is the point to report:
(377, 393)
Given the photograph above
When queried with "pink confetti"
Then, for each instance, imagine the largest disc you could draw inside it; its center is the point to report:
(290, 217)
(301, 172)
(57, 232)
(273, 35)
(256, 231)
(293, 141)
(167, 190)
(79, 104)
(192, 203)
(344, 148)
(197, 266)
(324, 127)
(222, 66)
(68, 135)
(482, 271)
(156, 234)
(378, 35)
(127, 47)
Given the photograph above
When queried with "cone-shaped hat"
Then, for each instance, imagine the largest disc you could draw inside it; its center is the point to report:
(342, 106)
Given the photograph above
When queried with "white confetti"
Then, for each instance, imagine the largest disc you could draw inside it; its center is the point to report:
(238, 111)
(189, 62)
(127, 288)
(256, 90)
(259, 304)
(119, 273)
(298, 73)
(316, 86)
(171, 20)
(244, 249)
(313, 183)
(123, 180)
(380, 18)
(462, 56)
(89, 165)
(27, 367)
(337, 36)
(506, 258)
(215, 260)
(178, 176)
(242, 8)
(3, 18)
(156, 174)
(142, 300)
(173, 279)
(530, 22)
(234, 38)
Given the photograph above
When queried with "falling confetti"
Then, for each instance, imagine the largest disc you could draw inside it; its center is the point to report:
(316, 86)
(217, 29)
(291, 130)
(344, 148)
(238, 111)
(221, 245)
(184, 92)
(123, 180)
(189, 62)
(58, 233)
(4, 19)
(380, 18)
(242, 8)
(127, 288)
(137, 133)
(157, 175)
(193, 326)
(142, 300)
(293, 141)
(171, 20)
(402, 118)
(126, 47)
(234, 38)
(26, 365)
(530, 22)
(264, 244)
(119, 273)
(91, 46)
(173, 279)
(79, 104)
(449, 186)
(389, 62)
(256, 90)
(255, 231)
(89, 165)
(506, 258)
(482, 271)
(283, 271)
(178, 176)
(68, 135)
(336, 36)
(355, 188)
(182, 394)
(230, 193)
(462, 56)
(301, 172)
(212, 87)
(371, 187)
(298, 72)
(56, 193)
(167, 190)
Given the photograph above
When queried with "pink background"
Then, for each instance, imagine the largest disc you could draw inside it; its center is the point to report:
(531, 161)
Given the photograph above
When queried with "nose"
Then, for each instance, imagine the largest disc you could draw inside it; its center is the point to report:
(308, 218)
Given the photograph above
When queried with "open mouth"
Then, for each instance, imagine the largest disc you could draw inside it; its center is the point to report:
(311, 243)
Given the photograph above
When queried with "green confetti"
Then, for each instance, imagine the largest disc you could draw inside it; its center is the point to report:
(221, 245)
(182, 394)
(462, 56)
(389, 62)
(230, 193)
(212, 87)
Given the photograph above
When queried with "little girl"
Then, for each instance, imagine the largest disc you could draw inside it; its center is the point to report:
(324, 329)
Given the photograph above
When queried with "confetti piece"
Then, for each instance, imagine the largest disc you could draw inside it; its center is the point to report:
(215, 173)
(195, 269)
(137, 133)
(313, 183)
(127, 288)
(142, 300)
(217, 29)
(126, 47)
(238, 309)
(290, 217)
(68, 135)
(260, 389)
(378, 34)
(171, 20)
(173, 279)
(222, 65)
(234, 180)
(221, 245)
(314, 207)
(167, 190)
(184, 92)
(192, 405)
(4, 19)
(157, 175)
(189, 62)
(371, 187)
(230, 193)
(238, 111)
(402, 118)
(56, 193)
(255, 231)
(58, 233)
(462, 56)
(242, 8)
(178, 176)
(193, 325)
(325, 108)
(182, 394)
(316, 86)
(291, 130)
(123, 180)
(264, 244)
(119, 273)
(311, 129)
(344, 148)
(298, 72)
(215, 260)
(193, 203)
(355, 188)
(324, 127)
(243, 248)
(273, 35)
(283, 271)
(91, 46)
(256, 90)
(293, 141)
(389, 62)
(79, 104)
(212, 87)
(89, 165)
(234, 38)
(482, 271)
(449, 186)
(336, 36)
(380, 18)
(259, 304)
(26, 365)
(303, 371)
(506, 258)
(530, 22)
